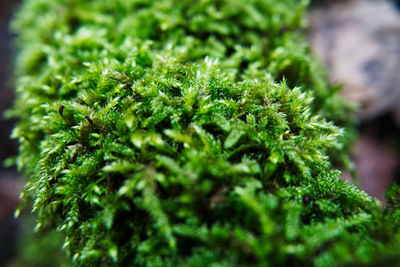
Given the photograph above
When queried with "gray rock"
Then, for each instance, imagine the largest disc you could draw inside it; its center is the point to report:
(359, 41)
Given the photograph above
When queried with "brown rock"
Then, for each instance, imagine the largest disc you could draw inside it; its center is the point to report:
(359, 41)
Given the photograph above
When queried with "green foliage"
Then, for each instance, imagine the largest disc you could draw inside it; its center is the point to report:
(159, 133)
(249, 37)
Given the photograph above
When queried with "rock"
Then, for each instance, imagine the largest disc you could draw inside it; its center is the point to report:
(376, 165)
(10, 186)
(359, 41)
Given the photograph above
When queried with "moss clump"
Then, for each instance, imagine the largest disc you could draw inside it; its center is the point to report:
(143, 152)
(250, 38)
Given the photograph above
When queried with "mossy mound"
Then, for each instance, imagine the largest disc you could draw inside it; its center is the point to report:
(143, 150)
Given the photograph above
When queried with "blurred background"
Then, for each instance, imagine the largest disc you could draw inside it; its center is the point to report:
(359, 43)
(357, 40)
(10, 183)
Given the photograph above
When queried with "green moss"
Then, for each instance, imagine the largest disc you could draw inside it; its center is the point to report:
(159, 133)
(250, 38)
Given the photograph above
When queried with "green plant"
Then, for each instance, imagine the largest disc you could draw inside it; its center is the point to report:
(159, 133)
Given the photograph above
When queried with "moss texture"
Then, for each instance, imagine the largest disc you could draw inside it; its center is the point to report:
(161, 133)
